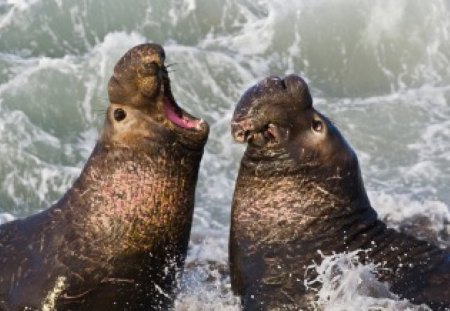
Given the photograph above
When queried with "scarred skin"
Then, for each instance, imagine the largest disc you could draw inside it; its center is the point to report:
(299, 190)
(118, 238)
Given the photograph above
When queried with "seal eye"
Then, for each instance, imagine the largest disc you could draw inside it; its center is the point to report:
(119, 114)
(317, 126)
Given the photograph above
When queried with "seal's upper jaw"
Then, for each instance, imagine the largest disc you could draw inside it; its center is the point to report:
(141, 81)
(263, 114)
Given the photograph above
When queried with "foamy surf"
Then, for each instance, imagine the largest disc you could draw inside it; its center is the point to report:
(5, 217)
(347, 284)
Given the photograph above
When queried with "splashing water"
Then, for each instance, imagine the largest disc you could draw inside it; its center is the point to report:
(379, 68)
(350, 285)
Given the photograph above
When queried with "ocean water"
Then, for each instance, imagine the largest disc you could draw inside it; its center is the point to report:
(379, 68)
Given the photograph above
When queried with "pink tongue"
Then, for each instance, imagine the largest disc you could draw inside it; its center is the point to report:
(169, 110)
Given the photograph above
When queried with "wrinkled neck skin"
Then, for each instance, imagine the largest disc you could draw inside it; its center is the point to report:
(136, 196)
(303, 199)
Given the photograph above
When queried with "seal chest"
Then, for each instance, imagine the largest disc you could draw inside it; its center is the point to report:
(118, 238)
(299, 191)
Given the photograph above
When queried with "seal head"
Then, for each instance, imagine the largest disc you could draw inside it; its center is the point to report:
(299, 190)
(140, 87)
(278, 114)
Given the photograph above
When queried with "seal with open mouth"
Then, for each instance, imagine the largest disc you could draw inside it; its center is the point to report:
(118, 238)
(299, 190)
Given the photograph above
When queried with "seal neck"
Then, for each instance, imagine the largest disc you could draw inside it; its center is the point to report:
(266, 163)
(136, 199)
(276, 190)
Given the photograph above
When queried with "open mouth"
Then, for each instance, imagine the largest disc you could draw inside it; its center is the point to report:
(177, 116)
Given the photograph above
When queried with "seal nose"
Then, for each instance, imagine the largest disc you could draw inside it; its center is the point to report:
(152, 68)
(159, 49)
(242, 130)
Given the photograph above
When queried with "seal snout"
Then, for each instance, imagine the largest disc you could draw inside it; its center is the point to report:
(242, 130)
(139, 76)
(268, 106)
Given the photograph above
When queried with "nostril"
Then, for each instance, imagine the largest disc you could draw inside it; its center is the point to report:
(152, 68)
(246, 135)
(242, 130)
(283, 84)
(242, 136)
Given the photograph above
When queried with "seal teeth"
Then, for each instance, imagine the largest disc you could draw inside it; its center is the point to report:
(200, 124)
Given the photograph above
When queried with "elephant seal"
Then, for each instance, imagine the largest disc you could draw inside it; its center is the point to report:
(299, 190)
(118, 238)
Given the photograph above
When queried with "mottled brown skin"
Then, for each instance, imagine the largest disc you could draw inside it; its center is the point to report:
(118, 238)
(299, 190)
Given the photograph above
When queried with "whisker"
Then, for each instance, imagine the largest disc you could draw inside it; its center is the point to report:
(173, 64)
(102, 99)
(99, 110)
(100, 106)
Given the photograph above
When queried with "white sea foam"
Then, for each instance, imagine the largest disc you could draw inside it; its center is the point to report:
(206, 284)
(14, 6)
(349, 285)
(5, 217)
